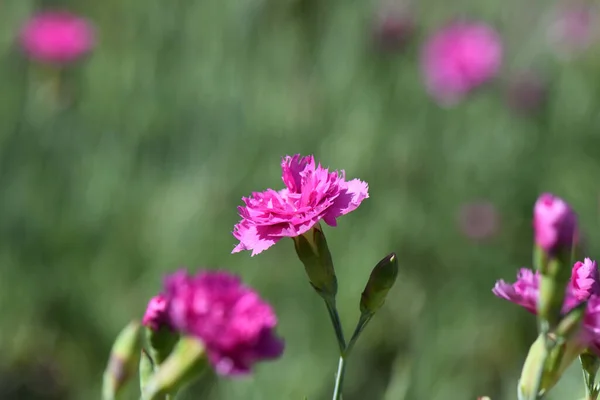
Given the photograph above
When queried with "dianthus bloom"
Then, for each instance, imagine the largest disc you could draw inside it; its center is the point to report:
(57, 37)
(312, 193)
(459, 58)
(156, 313)
(584, 285)
(554, 224)
(235, 325)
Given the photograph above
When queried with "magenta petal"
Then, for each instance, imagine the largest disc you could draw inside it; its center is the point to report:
(524, 292)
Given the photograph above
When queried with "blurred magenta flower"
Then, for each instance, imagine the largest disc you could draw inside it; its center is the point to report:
(156, 313)
(584, 285)
(312, 193)
(554, 224)
(478, 220)
(526, 92)
(57, 37)
(585, 279)
(394, 28)
(232, 321)
(460, 57)
(574, 29)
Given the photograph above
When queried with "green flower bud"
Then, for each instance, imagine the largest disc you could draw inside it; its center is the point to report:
(146, 369)
(380, 282)
(124, 360)
(313, 251)
(185, 364)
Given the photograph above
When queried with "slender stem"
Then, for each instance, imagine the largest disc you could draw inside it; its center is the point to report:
(360, 326)
(337, 324)
(339, 378)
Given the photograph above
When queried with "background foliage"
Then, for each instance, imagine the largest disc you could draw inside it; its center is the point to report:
(186, 106)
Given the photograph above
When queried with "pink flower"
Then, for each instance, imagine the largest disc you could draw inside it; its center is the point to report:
(459, 58)
(156, 313)
(585, 279)
(583, 286)
(233, 322)
(554, 224)
(57, 37)
(312, 193)
(479, 220)
(574, 29)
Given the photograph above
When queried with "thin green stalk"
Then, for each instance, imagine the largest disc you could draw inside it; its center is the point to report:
(337, 324)
(339, 378)
(360, 326)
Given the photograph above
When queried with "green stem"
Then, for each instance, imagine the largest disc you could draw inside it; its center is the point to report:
(360, 326)
(337, 324)
(339, 378)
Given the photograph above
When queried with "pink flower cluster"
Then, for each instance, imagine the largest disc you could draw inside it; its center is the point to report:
(459, 58)
(57, 37)
(312, 193)
(232, 321)
(584, 285)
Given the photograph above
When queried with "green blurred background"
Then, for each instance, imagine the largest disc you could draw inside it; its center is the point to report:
(137, 167)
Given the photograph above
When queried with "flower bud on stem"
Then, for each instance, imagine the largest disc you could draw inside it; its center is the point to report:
(124, 359)
(590, 364)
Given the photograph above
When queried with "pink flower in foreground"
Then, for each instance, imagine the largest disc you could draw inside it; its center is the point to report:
(312, 193)
(57, 37)
(584, 285)
(156, 313)
(232, 321)
(459, 58)
(554, 224)
(585, 279)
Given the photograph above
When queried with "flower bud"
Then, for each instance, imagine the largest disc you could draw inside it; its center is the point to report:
(160, 334)
(380, 282)
(146, 369)
(590, 363)
(123, 361)
(554, 365)
(313, 251)
(554, 225)
(184, 365)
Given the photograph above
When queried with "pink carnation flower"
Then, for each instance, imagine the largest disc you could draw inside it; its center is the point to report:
(312, 193)
(584, 285)
(584, 279)
(57, 37)
(156, 313)
(459, 58)
(232, 321)
(554, 224)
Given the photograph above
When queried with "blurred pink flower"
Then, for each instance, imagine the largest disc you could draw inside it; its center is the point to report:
(57, 37)
(554, 224)
(525, 291)
(585, 279)
(232, 321)
(156, 313)
(526, 92)
(459, 58)
(574, 29)
(312, 193)
(394, 28)
(478, 220)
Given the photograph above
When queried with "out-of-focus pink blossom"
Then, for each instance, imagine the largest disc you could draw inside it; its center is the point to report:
(526, 92)
(394, 28)
(312, 193)
(57, 37)
(554, 224)
(525, 292)
(585, 280)
(479, 220)
(233, 322)
(460, 57)
(574, 29)
(156, 313)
